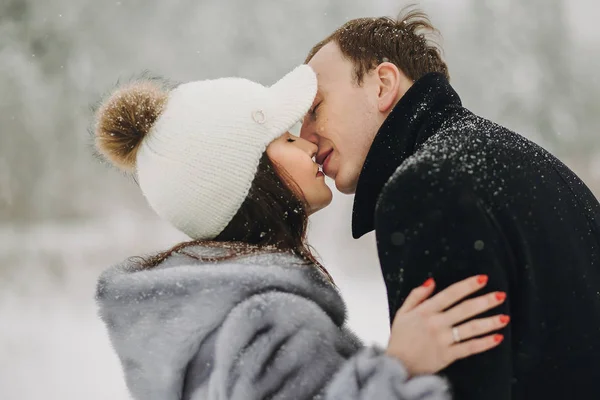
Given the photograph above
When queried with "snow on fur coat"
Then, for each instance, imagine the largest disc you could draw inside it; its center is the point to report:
(259, 327)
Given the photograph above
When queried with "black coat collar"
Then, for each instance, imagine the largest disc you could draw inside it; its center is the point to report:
(416, 117)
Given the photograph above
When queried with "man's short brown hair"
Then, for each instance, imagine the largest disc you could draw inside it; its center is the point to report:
(368, 42)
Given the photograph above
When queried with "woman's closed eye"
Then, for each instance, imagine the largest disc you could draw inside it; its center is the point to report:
(290, 140)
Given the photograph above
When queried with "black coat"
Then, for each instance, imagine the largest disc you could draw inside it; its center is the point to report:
(451, 195)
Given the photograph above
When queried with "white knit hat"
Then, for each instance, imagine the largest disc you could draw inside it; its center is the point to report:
(197, 163)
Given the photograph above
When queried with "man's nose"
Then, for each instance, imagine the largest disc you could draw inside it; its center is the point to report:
(307, 132)
(314, 149)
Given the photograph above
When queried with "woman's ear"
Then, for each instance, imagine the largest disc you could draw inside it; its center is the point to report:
(393, 83)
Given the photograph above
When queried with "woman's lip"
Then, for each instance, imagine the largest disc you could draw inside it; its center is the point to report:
(320, 174)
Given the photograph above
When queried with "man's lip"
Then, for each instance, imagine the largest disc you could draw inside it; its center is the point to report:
(326, 163)
(321, 157)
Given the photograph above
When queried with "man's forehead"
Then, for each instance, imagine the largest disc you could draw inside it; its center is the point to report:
(325, 56)
(330, 66)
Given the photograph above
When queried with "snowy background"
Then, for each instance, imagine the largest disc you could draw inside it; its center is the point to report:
(530, 65)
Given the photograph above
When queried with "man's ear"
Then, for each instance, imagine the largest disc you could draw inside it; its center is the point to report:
(393, 83)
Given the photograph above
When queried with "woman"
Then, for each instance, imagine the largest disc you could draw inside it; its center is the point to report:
(244, 310)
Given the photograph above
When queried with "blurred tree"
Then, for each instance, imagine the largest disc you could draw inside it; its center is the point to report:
(534, 67)
(525, 48)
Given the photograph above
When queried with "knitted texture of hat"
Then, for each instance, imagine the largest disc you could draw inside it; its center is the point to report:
(197, 164)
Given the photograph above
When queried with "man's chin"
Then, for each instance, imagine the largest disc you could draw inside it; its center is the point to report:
(345, 186)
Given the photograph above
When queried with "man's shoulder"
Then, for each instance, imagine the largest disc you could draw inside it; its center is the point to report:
(464, 154)
(459, 151)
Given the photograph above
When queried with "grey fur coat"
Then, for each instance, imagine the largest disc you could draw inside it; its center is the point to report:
(259, 327)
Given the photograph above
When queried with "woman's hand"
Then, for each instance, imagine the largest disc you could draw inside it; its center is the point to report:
(427, 334)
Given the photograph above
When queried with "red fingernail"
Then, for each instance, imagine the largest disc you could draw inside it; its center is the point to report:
(428, 282)
(504, 319)
(500, 296)
(498, 338)
(482, 279)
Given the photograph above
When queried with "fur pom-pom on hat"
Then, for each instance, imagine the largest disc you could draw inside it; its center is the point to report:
(125, 118)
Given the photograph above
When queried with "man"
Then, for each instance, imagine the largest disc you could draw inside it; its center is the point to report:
(450, 195)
